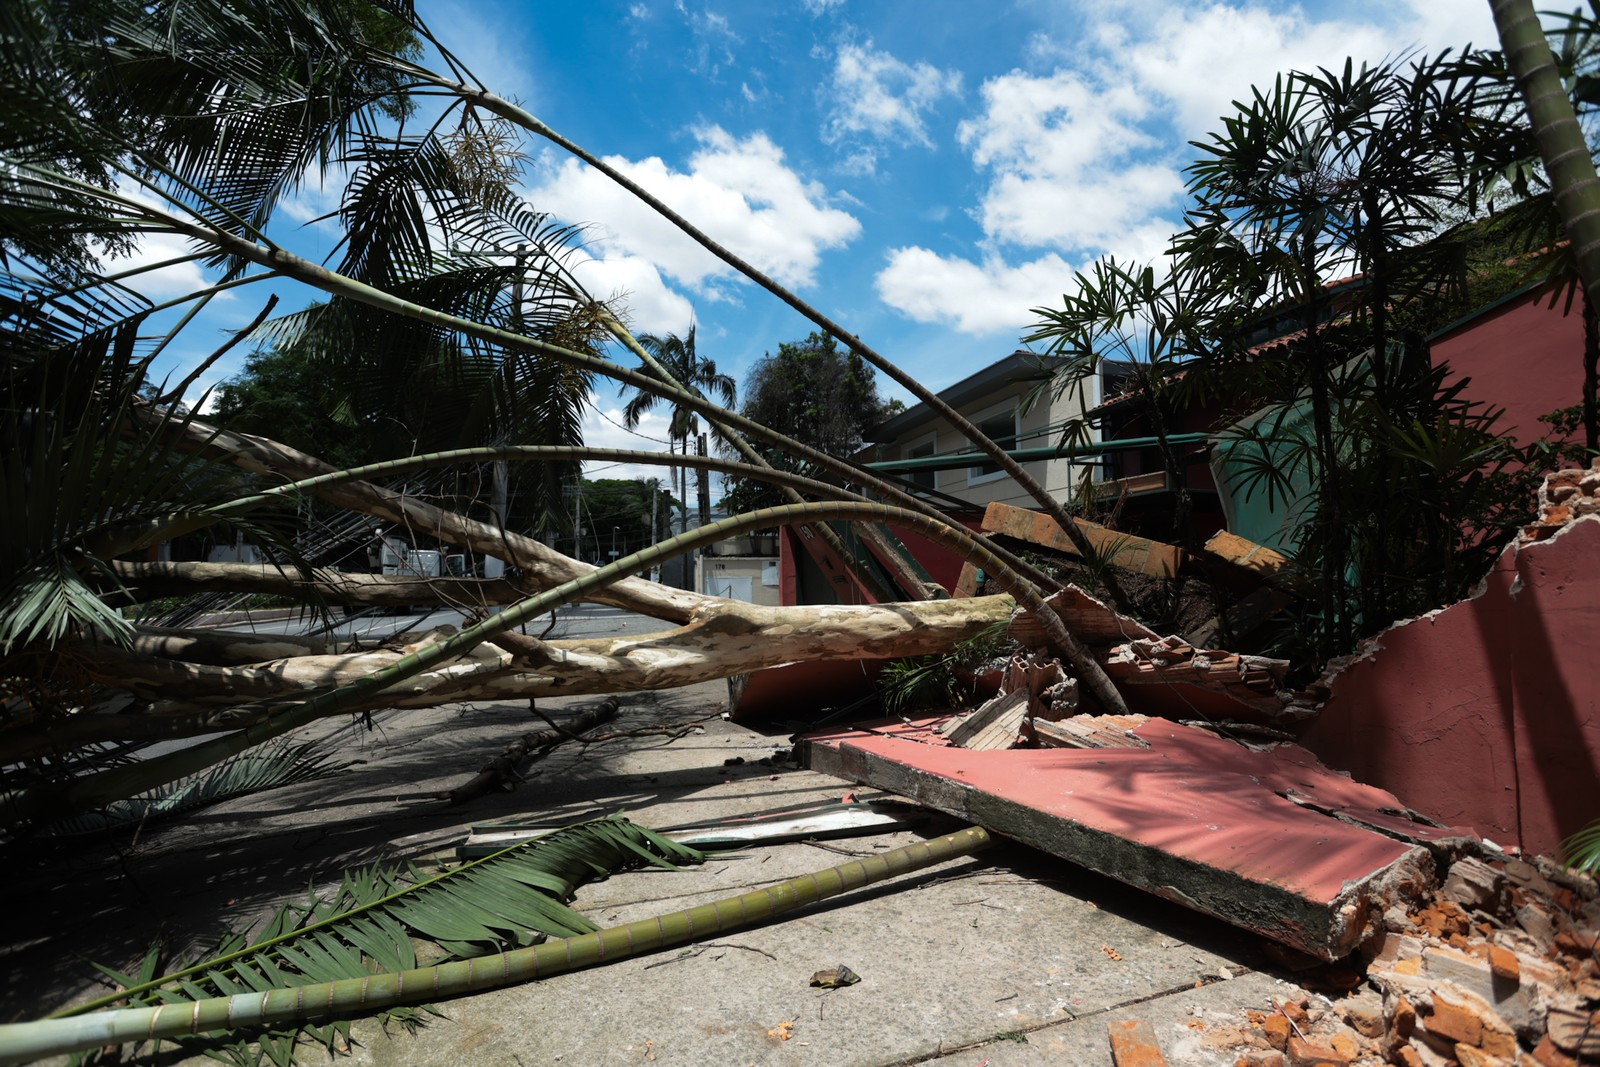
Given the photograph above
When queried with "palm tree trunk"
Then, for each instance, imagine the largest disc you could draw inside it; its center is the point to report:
(741, 445)
(279, 716)
(1563, 148)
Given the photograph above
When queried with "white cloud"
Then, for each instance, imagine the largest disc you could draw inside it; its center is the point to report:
(819, 7)
(1070, 164)
(168, 282)
(873, 94)
(977, 298)
(603, 428)
(634, 284)
(1070, 149)
(740, 192)
(1201, 59)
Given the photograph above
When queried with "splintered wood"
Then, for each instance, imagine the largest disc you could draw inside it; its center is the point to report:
(1168, 675)
(995, 725)
(1092, 731)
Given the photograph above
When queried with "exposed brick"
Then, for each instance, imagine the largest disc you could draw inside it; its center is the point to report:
(1503, 962)
(1454, 1022)
(1500, 1043)
(1133, 1044)
(1345, 1045)
(1574, 944)
(1547, 1055)
(1277, 1030)
(1536, 921)
(1405, 1018)
(1364, 1014)
(1258, 1058)
(1569, 476)
(1406, 1056)
(1474, 1057)
(1474, 884)
(1304, 1054)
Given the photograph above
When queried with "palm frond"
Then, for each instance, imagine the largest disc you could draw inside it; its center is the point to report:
(272, 766)
(507, 900)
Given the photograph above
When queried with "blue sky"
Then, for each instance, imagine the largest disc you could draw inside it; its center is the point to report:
(924, 171)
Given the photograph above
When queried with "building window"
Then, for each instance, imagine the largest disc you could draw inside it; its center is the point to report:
(1000, 426)
(921, 450)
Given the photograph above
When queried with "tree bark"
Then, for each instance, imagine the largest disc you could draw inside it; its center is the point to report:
(357, 590)
(725, 637)
(541, 567)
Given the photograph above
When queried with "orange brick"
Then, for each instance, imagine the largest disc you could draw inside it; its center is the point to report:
(1455, 1022)
(1503, 962)
(1277, 1030)
(1133, 1044)
(1405, 1018)
(1406, 1056)
(1259, 1058)
(1473, 1057)
(1547, 1055)
(1304, 1054)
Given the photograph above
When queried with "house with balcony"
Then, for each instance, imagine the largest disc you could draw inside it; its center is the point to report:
(1011, 402)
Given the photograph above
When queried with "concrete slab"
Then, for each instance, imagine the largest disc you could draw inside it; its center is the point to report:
(1271, 841)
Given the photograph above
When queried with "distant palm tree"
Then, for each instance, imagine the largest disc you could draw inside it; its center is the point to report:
(677, 357)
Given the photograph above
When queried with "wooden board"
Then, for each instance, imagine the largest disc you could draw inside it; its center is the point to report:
(1138, 554)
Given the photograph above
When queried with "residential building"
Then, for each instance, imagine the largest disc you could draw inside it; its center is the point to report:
(1011, 402)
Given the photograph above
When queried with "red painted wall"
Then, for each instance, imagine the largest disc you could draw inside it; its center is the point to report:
(1486, 713)
(1524, 356)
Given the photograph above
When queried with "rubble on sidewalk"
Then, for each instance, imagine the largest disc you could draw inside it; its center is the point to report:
(1497, 968)
(1168, 675)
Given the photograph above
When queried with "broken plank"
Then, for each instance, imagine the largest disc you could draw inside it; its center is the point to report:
(1085, 618)
(1092, 731)
(1139, 554)
(995, 725)
(1194, 819)
(1270, 565)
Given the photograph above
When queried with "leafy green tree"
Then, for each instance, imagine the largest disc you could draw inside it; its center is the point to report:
(621, 515)
(815, 392)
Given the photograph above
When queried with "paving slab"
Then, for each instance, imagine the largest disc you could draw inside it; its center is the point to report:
(974, 955)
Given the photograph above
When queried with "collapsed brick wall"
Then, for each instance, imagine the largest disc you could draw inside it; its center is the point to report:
(1486, 713)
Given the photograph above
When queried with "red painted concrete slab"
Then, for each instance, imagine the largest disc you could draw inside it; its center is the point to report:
(1194, 818)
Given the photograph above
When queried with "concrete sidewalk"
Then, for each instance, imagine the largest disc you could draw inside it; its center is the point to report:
(1009, 957)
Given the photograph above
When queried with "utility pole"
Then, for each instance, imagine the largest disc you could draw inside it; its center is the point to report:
(500, 470)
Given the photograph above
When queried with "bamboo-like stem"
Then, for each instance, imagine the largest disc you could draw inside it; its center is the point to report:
(1049, 504)
(1562, 145)
(21, 1042)
(303, 270)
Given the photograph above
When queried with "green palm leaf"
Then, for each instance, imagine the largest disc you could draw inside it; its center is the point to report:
(510, 899)
(273, 765)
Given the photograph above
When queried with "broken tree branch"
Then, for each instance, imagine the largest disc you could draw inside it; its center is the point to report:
(503, 771)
